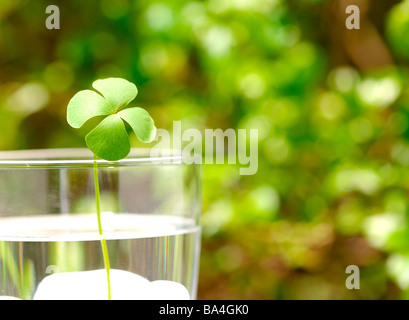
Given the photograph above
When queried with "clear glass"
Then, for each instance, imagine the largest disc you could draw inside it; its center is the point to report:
(50, 247)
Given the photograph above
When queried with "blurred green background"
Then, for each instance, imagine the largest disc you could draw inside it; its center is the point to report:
(331, 106)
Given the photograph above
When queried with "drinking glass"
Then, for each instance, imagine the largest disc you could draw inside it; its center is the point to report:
(50, 245)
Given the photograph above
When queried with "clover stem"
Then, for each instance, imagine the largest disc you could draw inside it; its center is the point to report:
(103, 241)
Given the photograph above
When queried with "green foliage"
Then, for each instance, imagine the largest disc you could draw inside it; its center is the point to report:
(398, 28)
(332, 184)
(109, 139)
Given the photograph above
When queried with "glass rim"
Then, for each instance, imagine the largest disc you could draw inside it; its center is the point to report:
(82, 157)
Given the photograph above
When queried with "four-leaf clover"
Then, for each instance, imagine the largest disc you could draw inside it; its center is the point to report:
(109, 139)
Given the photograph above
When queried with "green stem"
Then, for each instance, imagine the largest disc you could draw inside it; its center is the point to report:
(103, 241)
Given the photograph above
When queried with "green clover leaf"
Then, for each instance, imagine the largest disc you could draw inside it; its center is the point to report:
(109, 139)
